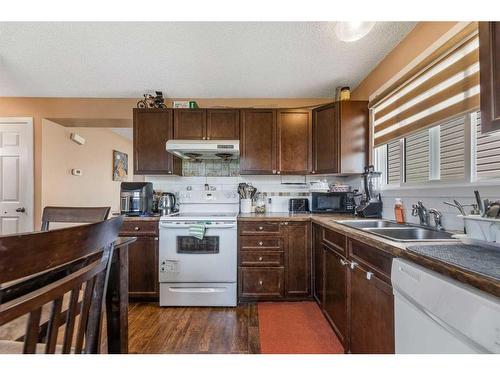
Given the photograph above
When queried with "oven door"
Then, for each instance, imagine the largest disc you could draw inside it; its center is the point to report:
(184, 258)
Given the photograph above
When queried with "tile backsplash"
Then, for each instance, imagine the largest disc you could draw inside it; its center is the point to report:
(279, 188)
(211, 168)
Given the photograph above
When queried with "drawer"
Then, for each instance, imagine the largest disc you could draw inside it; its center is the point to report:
(139, 228)
(260, 227)
(261, 258)
(371, 257)
(334, 239)
(260, 282)
(261, 243)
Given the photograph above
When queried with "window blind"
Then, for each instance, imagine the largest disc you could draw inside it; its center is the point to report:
(487, 153)
(394, 162)
(417, 157)
(443, 86)
(452, 149)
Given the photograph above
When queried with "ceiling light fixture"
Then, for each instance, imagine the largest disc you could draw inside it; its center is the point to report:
(352, 31)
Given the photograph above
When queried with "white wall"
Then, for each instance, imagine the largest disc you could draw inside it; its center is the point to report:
(433, 197)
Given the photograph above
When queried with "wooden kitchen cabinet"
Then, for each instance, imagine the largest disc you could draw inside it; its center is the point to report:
(190, 123)
(318, 263)
(152, 129)
(340, 138)
(206, 124)
(143, 269)
(489, 61)
(294, 148)
(298, 255)
(371, 313)
(223, 124)
(335, 301)
(258, 141)
(274, 260)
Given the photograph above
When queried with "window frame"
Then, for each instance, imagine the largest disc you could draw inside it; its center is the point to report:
(470, 169)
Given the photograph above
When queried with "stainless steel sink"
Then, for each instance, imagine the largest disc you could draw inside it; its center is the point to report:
(410, 234)
(398, 232)
(371, 224)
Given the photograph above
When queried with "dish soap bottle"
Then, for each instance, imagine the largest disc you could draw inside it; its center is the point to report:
(399, 212)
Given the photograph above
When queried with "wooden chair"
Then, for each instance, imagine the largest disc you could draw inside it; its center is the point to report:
(43, 268)
(73, 215)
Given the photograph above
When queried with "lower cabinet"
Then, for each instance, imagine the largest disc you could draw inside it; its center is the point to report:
(372, 314)
(356, 295)
(318, 263)
(142, 260)
(335, 293)
(274, 260)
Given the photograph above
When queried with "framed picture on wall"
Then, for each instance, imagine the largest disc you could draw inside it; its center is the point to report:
(120, 166)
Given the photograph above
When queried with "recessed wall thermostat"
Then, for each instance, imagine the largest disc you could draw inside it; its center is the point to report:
(77, 138)
(76, 172)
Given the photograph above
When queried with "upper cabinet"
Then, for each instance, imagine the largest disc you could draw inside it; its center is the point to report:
(489, 60)
(152, 129)
(294, 134)
(257, 141)
(340, 138)
(206, 124)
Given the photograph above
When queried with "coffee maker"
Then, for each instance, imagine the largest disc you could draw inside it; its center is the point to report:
(371, 202)
(136, 198)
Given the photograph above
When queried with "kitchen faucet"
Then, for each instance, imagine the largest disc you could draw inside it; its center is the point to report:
(437, 218)
(422, 213)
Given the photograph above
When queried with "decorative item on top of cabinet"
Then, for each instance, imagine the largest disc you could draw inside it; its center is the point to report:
(489, 61)
(258, 141)
(340, 138)
(152, 129)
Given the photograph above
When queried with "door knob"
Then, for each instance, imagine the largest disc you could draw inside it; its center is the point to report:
(20, 209)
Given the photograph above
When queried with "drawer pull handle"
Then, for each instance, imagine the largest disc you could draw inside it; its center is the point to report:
(343, 262)
(261, 228)
(353, 265)
(136, 228)
(369, 275)
(260, 258)
(260, 282)
(261, 243)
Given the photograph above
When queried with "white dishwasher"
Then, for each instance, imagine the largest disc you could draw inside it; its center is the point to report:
(437, 314)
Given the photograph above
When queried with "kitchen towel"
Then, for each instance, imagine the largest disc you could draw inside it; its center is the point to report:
(197, 230)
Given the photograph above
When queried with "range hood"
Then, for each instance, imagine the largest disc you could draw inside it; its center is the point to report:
(193, 149)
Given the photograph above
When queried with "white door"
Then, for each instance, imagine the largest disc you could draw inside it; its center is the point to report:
(16, 175)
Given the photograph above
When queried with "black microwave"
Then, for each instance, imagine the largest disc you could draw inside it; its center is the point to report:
(333, 202)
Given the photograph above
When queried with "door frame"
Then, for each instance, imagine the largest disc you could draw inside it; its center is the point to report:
(29, 204)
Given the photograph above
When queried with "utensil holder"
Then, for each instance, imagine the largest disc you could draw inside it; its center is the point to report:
(246, 206)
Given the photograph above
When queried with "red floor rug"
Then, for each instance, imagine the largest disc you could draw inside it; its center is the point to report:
(295, 328)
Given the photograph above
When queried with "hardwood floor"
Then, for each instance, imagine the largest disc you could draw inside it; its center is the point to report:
(154, 329)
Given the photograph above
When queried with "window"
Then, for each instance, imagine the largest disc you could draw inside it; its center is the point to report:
(442, 153)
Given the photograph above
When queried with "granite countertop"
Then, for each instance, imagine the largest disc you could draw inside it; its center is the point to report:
(454, 270)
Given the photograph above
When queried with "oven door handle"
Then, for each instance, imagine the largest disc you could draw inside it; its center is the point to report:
(217, 226)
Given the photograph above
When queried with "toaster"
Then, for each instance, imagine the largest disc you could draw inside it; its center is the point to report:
(297, 205)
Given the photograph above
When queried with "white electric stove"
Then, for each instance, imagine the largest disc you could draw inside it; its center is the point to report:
(197, 272)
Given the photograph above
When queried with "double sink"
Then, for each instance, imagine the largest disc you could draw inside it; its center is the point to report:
(398, 232)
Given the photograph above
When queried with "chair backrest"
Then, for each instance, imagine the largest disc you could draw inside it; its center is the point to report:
(73, 215)
(40, 269)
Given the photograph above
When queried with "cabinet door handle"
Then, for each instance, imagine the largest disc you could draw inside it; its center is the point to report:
(136, 228)
(261, 228)
(208, 138)
(156, 238)
(169, 172)
(260, 282)
(261, 243)
(343, 262)
(286, 223)
(260, 259)
(369, 275)
(278, 172)
(313, 172)
(274, 171)
(353, 265)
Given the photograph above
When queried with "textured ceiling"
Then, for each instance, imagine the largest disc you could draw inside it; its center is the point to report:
(201, 59)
